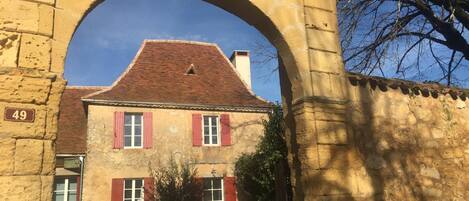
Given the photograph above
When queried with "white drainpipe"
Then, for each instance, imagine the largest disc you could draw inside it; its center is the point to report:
(82, 167)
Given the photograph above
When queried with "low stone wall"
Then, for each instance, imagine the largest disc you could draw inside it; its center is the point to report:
(396, 146)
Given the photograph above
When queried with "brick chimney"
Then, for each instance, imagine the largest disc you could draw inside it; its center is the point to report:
(242, 63)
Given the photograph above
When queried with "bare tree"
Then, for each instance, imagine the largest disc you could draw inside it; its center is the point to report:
(411, 39)
(175, 182)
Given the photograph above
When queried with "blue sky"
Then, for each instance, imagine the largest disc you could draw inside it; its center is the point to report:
(109, 37)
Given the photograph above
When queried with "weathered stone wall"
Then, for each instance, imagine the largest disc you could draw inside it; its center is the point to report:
(172, 137)
(34, 36)
(401, 146)
(26, 149)
(310, 117)
(391, 144)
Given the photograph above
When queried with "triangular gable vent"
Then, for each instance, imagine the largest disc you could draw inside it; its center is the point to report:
(191, 70)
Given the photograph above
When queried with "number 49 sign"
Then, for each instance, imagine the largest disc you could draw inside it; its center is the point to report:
(20, 114)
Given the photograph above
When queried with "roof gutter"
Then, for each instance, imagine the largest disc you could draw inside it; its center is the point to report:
(253, 109)
(69, 155)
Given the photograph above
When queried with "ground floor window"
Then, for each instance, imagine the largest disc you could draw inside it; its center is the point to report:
(133, 190)
(213, 189)
(65, 189)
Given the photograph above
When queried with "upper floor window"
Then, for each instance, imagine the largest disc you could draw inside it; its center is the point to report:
(213, 189)
(211, 130)
(133, 130)
(133, 190)
(65, 189)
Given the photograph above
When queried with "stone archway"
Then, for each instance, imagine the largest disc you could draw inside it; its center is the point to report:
(34, 36)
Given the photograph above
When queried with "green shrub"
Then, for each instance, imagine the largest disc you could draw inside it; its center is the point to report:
(257, 173)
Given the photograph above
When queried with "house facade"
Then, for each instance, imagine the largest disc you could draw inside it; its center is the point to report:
(177, 100)
(71, 144)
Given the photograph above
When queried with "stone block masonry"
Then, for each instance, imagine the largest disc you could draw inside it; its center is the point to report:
(27, 149)
(346, 142)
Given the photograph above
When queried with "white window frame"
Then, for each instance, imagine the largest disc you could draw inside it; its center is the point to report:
(211, 189)
(210, 130)
(133, 189)
(66, 191)
(132, 135)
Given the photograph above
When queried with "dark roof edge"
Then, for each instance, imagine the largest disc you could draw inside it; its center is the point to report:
(69, 154)
(417, 88)
(252, 109)
(86, 87)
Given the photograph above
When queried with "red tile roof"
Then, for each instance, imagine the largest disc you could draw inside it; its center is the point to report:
(159, 74)
(406, 86)
(71, 136)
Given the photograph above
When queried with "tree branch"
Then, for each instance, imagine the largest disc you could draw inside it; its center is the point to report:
(453, 37)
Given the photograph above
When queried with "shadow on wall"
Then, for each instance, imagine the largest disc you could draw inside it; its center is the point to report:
(245, 133)
(411, 145)
(387, 144)
(290, 130)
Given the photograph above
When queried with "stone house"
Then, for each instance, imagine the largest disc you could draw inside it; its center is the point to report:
(178, 99)
(71, 143)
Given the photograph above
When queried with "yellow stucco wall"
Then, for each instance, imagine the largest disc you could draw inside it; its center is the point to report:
(172, 137)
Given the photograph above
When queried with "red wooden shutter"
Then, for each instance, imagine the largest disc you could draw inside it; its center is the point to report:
(78, 187)
(117, 190)
(149, 188)
(225, 130)
(118, 130)
(229, 184)
(196, 130)
(147, 130)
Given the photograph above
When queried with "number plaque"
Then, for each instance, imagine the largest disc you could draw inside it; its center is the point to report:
(20, 114)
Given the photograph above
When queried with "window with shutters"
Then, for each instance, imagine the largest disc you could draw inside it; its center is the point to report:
(133, 130)
(211, 131)
(133, 190)
(213, 189)
(65, 189)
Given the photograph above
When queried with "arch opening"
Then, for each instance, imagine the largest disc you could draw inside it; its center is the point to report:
(248, 12)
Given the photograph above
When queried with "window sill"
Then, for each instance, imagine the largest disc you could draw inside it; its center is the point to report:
(132, 148)
(210, 145)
